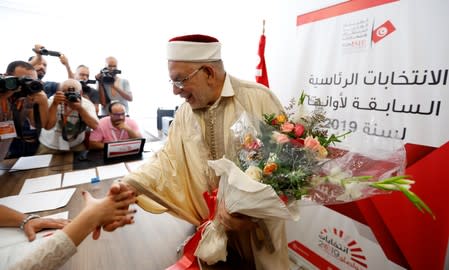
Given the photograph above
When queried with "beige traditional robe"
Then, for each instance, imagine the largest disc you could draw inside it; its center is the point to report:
(177, 176)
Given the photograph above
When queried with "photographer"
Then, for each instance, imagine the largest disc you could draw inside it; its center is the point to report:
(82, 75)
(111, 87)
(69, 115)
(24, 108)
(40, 64)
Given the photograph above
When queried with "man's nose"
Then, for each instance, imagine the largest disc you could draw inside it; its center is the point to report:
(176, 90)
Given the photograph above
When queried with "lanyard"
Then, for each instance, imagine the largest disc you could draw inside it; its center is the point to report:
(66, 114)
(122, 132)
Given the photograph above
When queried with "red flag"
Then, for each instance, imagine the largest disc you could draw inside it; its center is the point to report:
(382, 31)
(261, 69)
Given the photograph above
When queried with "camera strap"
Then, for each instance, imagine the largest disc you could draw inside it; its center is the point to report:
(106, 95)
(18, 118)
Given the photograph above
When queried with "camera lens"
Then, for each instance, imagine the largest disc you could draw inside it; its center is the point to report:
(11, 83)
(72, 96)
(30, 86)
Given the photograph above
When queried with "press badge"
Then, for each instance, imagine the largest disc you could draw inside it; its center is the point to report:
(7, 130)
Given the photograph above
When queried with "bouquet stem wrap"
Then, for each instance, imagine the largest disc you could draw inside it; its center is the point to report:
(188, 260)
(246, 196)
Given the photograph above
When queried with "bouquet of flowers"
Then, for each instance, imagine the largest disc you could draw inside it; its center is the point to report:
(281, 162)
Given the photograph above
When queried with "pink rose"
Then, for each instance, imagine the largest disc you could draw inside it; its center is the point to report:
(312, 143)
(287, 127)
(299, 130)
(280, 138)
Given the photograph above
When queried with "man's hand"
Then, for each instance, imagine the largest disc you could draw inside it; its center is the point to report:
(122, 125)
(39, 98)
(59, 98)
(37, 48)
(64, 60)
(76, 106)
(38, 224)
(6, 95)
(234, 222)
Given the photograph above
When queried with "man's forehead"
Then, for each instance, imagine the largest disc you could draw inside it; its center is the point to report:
(118, 107)
(83, 70)
(21, 71)
(175, 67)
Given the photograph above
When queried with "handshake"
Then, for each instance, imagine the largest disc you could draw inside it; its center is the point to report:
(125, 196)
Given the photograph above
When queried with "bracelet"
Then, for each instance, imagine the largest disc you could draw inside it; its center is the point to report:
(28, 218)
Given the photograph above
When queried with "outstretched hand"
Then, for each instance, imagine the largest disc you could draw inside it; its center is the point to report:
(124, 195)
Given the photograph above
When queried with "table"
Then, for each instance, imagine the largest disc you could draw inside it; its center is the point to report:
(150, 243)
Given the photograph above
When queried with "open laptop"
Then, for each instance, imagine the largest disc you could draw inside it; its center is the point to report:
(123, 150)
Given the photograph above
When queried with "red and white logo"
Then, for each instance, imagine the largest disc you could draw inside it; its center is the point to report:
(382, 31)
(342, 247)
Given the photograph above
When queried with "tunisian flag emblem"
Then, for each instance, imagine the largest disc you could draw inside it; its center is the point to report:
(382, 31)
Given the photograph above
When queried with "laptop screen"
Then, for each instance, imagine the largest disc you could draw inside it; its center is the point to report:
(127, 148)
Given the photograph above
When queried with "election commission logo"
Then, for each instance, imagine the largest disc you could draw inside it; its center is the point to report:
(342, 247)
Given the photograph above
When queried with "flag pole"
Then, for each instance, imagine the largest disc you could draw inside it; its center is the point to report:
(263, 27)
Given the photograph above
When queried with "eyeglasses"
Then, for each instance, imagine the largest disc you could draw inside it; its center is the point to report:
(117, 115)
(180, 84)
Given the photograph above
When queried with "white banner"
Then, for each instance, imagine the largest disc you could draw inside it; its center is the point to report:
(381, 70)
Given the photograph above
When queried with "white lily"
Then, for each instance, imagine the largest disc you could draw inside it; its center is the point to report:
(352, 192)
(336, 175)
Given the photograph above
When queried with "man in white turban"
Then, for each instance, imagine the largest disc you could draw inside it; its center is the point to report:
(175, 178)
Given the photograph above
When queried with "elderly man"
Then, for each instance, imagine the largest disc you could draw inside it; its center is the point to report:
(69, 115)
(176, 177)
(115, 127)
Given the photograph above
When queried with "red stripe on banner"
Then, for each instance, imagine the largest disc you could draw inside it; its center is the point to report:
(339, 9)
(121, 153)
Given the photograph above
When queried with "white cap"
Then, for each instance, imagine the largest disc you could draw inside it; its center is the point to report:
(194, 48)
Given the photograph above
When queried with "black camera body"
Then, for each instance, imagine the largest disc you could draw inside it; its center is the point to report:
(108, 75)
(27, 86)
(30, 86)
(44, 51)
(72, 96)
(85, 85)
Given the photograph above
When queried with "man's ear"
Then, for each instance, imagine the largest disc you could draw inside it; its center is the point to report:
(209, 71)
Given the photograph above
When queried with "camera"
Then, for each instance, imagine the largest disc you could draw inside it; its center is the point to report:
(30, 86)
(27, 86)
(8, 83)
(72, 96)
(85, 86)
(44, 51)
(108, 75)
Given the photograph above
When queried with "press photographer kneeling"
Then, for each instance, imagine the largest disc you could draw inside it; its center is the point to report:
(24, 109)
(69, 115)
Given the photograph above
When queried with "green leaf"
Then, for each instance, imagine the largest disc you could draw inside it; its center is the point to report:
(420, 204)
